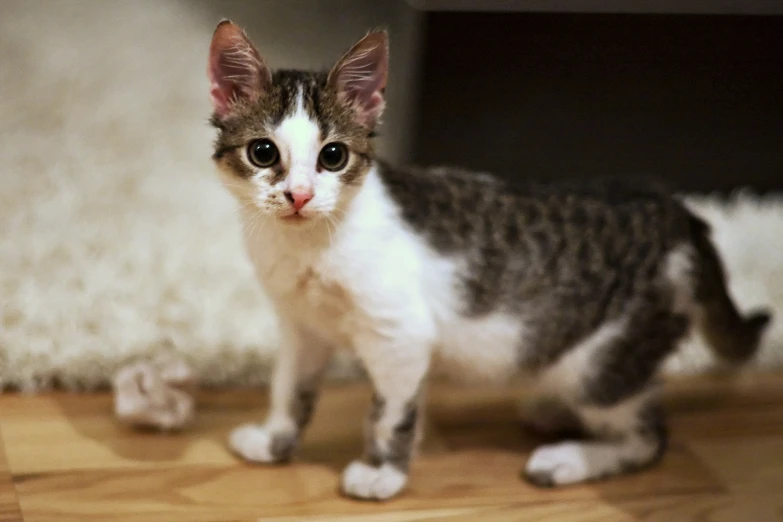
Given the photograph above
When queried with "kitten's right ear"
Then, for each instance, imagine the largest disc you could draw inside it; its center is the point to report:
(236, 70)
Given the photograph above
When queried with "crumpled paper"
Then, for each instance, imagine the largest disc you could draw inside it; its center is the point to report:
(155, 394)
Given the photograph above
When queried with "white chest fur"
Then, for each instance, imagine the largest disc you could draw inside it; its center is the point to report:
(371, 273)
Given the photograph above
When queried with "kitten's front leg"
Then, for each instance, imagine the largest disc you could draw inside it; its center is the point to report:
(397, 369)
(299, 367)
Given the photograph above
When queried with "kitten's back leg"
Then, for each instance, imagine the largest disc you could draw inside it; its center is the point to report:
(624, 437)
(607, 380)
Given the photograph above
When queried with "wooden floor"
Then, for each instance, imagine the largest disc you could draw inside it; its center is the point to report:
(65, 458)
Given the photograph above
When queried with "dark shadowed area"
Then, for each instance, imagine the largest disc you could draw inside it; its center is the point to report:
(696, 99)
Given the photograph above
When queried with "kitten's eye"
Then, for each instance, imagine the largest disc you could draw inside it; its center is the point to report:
(262, 153)
(333, 156)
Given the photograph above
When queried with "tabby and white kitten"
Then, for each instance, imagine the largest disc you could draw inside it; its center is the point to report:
(585, 289)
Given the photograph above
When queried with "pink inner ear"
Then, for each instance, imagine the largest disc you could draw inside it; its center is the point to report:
(224, 88)
(235, 70)
(221, 97)
(375, 103)
(360, 76)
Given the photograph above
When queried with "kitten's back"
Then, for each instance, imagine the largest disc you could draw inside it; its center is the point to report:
(570, 256)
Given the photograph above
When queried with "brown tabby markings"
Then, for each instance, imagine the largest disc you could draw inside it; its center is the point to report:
(569, 258)
(254, 121)
(571, 261)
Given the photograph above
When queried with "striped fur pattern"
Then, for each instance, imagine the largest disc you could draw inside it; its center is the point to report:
(585, 289)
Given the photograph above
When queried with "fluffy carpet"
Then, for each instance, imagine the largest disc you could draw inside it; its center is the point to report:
(116, 240)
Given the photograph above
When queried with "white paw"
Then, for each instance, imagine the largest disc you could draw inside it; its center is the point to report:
(363, 481)
(559, 464)
(253, 442)
(143, 397)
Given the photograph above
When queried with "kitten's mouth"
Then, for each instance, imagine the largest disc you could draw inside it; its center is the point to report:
(295, 217)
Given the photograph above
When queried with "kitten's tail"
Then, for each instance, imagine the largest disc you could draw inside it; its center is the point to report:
(733, 337)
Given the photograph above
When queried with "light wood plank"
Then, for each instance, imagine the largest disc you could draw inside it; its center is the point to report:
(71, 460)
(9, 504)
(706, 508)
(746, 465)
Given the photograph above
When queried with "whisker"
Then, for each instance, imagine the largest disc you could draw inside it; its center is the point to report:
(329, 229)
(255, 222)
(244, 206)
(249, 227)
(263, 224)
(329, 222)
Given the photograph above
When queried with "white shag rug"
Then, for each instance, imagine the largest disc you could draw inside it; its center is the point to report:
(116, 239)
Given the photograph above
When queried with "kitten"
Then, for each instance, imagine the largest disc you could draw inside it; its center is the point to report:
(585, 288)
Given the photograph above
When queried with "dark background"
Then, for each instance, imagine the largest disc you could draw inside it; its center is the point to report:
(694, 99)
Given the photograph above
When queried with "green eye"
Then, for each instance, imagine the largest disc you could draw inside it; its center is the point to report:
(263, 153)
(333, 156)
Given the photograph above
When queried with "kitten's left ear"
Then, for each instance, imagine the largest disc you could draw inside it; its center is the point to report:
(236, 70)
(359, 77)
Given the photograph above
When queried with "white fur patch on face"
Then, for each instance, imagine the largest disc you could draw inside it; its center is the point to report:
(298, 140)
(366, 482)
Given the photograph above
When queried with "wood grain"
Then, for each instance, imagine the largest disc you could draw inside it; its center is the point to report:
(69, 460)
(9, 505)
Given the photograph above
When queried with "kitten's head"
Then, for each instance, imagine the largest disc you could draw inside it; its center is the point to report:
(294, 144)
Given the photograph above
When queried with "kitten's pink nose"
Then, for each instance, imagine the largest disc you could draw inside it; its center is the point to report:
(299, 198)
